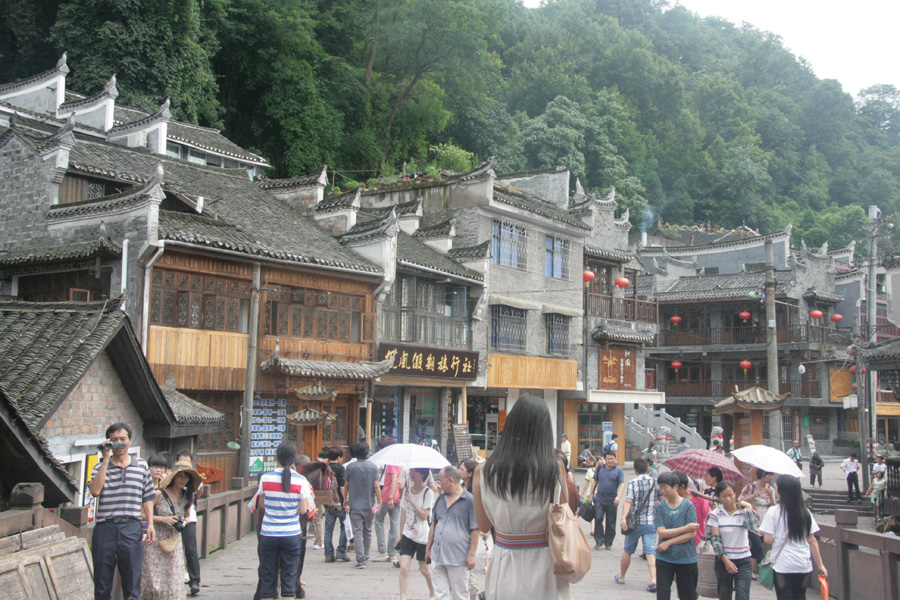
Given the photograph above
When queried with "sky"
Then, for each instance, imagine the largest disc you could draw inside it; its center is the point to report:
(854, 42)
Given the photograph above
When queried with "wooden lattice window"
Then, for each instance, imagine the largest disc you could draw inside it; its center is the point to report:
(77, 286)
(198, 301)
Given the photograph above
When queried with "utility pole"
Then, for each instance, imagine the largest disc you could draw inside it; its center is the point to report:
(250, 378)
(776, 435)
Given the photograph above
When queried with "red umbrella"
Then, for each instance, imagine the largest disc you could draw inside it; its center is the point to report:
(696, 462)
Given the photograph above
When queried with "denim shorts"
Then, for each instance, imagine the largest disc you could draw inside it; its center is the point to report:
(647, 533)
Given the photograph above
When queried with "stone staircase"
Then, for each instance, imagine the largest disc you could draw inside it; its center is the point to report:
(826, 501)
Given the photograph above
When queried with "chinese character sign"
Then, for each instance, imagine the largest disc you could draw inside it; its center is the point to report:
(417, 361)
(617, 368)
(266, 432)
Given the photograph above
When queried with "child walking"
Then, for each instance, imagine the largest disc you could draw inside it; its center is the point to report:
(676, 554)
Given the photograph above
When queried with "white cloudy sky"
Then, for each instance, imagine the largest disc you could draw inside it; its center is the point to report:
(854, 42)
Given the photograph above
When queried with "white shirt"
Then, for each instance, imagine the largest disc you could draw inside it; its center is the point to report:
(566, 447)
(850, 465)
(732, 530)
(415, 528)
(876, 468)
(794, 556)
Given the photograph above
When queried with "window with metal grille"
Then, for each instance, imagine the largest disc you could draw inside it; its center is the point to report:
(556, 262)
(557, 328)
(507, 327)
(424, 311)
(509, 245)
(754, 267)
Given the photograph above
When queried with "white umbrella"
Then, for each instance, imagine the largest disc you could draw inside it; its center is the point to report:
(767, 458)
(410, 456)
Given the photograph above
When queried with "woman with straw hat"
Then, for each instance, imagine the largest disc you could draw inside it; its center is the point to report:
(164, 568)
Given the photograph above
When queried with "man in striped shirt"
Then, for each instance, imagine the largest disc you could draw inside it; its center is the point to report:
(124, 491)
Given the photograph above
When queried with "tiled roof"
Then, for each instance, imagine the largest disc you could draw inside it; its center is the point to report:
(412, 251)
(887, 351)
(753, 398)
(99, 205)
(306, 180)
(823, 296)
(46, 348)
(210, 139)
(710, 287)
(531, 203)
(261, 223)
(122, 115)
(469, 253)
(100, 246)
(610, 253)
(440, 230)
(339, 201)
(60, 67)
(185, 408)
(327, 369)
(606, 331)
(405, 208)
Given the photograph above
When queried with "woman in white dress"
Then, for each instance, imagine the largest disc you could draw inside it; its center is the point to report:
(513, 489)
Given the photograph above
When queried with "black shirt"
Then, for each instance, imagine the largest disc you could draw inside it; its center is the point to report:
(338, 471)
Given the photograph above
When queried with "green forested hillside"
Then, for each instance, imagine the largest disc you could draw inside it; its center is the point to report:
(692, 120)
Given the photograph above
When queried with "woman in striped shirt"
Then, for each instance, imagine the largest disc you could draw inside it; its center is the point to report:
(728, 525)
(282, 496)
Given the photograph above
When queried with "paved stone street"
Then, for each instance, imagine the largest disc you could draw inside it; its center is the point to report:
(231, 574)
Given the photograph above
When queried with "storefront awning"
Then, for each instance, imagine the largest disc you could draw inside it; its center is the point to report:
(326, 369)
(556, 309)
(514, 302)
(626, 397)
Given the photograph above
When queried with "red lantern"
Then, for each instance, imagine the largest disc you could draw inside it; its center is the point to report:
(746, 365)
(852, 370)
(863, 370)
(588, 276)
(854, 387)
(622, 282)
(675, 320)
(836, 318)
(676, 365)
(816, 314)
(745, 316)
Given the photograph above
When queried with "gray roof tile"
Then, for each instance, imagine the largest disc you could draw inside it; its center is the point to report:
(469, 253)
(411, 250)
(710, 287)
(98, 247)
(531, 203)
(327, 369)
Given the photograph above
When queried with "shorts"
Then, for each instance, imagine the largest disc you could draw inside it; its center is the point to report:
(411, 548)
(647, 533)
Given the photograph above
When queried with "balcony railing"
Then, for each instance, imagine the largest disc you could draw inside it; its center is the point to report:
(753, 335)
(720, 389)
(624, 309)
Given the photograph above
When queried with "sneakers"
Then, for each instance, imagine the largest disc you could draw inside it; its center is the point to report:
(329, 559)
(318, 547)
(359, 566)
(195, 589)
(381, 558)
(341, 556)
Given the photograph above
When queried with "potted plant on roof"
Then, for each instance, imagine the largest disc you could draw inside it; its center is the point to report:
(432, 174)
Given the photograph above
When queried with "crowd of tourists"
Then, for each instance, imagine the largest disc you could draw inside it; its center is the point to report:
(493, 513)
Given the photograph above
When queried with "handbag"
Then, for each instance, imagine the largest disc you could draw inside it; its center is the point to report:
(757, 551)
(569, 550)
(586, 511)
(767, 569)
(168, 545)
(631, 517)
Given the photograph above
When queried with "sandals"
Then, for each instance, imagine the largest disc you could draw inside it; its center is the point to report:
(651, 588)
(396, 564)
(617, 580)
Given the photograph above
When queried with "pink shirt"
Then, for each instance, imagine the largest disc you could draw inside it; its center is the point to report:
(702, 508)
(392, 472)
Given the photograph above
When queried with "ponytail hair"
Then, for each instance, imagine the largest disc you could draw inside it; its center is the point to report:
(286, 454)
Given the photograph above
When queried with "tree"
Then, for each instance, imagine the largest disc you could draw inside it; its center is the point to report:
(878, 109)
(156, 49)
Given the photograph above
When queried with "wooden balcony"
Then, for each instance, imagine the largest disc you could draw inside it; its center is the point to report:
(217, 360)
(714, 336)
(623, 309)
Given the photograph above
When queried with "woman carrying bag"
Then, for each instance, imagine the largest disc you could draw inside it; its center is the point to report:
(790, 528)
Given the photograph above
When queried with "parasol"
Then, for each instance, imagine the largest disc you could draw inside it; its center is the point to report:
(768, 459)
(410, 456)
(696, 462)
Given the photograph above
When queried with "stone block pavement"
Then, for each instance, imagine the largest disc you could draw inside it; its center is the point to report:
(231, 575)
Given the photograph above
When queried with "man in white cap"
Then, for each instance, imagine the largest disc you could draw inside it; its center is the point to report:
(566, 447)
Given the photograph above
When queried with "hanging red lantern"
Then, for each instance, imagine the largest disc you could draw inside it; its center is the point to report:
(852, 370)
(854, 387)
(745, 316)
(836, 318)
(746, 365)
(675, 319)
(622, 282)
(816, 314)
(588, 276)
(863, 370)
(676, 365)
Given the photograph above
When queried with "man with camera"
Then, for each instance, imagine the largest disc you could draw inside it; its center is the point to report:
(124, 491)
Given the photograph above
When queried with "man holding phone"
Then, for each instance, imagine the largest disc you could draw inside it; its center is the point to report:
(124, 491)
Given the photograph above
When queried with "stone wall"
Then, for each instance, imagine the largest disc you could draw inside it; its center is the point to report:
(27, 191)
(97, 401)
